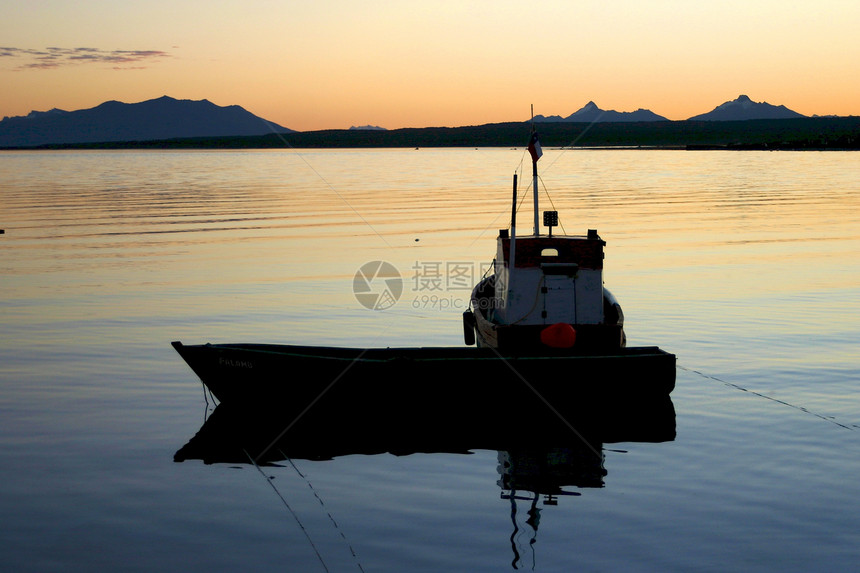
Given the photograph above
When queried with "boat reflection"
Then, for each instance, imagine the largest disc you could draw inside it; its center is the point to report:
(264, 435)
(542, 452)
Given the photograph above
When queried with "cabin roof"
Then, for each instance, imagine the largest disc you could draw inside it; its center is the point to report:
(531, 251)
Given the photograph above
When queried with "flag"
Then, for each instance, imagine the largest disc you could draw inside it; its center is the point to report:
(534, 148)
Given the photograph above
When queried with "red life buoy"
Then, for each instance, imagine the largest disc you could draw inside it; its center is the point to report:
(559, 335)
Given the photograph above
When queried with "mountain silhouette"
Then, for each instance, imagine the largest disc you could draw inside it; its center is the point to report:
(744, 108)
(590, 113)
(112, 121)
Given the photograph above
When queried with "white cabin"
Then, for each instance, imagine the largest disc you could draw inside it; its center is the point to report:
(554, 279)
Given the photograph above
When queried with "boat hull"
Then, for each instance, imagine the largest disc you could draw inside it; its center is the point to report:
(607, 338)
(302, 376)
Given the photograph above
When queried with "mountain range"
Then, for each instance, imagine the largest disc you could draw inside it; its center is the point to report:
(744, 108)
(591, 113)
(155, 119)
(167, 118)
(740, 109)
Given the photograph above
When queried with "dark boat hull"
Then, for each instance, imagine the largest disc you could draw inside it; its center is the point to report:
(301, 376)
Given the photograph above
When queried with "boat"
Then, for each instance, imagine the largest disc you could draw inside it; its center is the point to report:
(302, 375)
(546, 290)
(542, 328)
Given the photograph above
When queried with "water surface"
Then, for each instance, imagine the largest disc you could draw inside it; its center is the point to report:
(744, 264)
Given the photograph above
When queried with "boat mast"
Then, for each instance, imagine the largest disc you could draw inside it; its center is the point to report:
(535, 185)
(513, 227)
(536, 152)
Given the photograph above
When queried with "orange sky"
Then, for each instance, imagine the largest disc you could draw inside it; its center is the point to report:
(337, 63)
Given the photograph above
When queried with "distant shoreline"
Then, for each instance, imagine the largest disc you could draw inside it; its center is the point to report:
(818, 133)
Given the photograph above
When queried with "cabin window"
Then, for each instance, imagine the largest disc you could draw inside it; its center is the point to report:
(549, 252)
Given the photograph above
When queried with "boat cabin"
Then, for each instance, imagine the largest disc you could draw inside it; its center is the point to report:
(555, 279)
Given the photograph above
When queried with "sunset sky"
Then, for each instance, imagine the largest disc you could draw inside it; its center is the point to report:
(336, 63)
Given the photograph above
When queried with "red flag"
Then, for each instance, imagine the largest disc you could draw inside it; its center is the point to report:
(534, 148)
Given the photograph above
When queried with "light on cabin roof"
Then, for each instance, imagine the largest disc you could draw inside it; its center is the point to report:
(550, 219)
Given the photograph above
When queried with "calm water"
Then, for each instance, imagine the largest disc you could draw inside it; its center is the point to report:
(744, 264)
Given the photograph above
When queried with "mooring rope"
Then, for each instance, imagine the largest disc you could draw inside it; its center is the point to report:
(327, 512)
(300, 155)
(290, 509)
(766, 397)
(207, 393)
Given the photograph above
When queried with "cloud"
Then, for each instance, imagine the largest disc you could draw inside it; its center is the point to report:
(55, 57)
